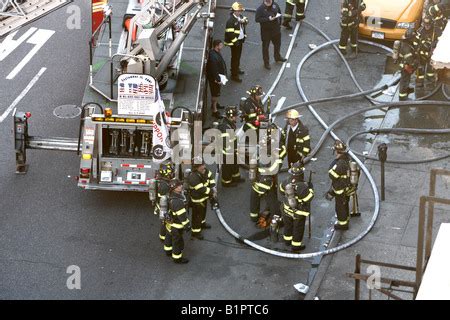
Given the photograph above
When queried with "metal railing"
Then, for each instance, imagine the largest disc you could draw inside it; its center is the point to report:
(424, 246)
(11, 8)
(207, 42)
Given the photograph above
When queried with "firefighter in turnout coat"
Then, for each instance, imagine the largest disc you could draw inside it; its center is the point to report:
(176, 222)
(202, 186)
(230, 168)
(297, 195)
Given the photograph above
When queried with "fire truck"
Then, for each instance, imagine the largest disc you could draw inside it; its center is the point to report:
(128, 115)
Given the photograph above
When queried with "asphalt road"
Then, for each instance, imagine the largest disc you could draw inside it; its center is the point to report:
(47, 224)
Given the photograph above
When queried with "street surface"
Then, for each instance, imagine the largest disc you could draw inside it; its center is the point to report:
(48, 224)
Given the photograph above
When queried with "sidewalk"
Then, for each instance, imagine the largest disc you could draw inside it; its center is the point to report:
(393, 239)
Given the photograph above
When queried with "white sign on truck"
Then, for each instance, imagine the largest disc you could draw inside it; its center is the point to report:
(137, 94)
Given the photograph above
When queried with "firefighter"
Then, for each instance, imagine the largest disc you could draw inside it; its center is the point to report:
(176, 222)
(295, 137)
(235, 35)
(424, 43)
(230, 167)
(297, 195)
(253, 109)
(351, 11)
(408, 64)
(202, 186)
(341, 188)
(435, 12)
(165, 174)
(264, 187)
(299, 12)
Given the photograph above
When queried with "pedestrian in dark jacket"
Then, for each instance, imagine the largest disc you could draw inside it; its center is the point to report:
(216, 66)
(268, 15)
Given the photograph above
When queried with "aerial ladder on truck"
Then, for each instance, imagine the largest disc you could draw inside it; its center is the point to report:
(16, 13)
(124, 134)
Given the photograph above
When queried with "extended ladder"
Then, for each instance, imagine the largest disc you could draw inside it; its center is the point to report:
(16, 13)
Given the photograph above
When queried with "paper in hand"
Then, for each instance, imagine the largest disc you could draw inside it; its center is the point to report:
(277, 16)
(223, 79)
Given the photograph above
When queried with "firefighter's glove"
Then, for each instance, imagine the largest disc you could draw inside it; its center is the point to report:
(409, 69)
(214, 203)
(329, 196)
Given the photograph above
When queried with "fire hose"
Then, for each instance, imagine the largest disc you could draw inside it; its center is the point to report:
(322, 141)
(444, 92)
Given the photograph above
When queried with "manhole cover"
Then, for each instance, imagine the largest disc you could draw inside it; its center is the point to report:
(67, 111)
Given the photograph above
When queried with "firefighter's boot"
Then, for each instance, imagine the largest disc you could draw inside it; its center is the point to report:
(181, 260)
(287, 25)
(206, 226)
(298, 249)
(338, 226)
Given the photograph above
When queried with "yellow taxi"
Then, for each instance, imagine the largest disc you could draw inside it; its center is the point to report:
(389, 19)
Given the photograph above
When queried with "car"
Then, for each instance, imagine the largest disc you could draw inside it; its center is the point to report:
(389, 19)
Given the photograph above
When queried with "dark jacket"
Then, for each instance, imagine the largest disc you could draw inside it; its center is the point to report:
(233, 30)
(339, 174)
(350, 13)
(268, 28)
(215, 65)
(302, 144)
(424, 43)
(200, 185)
(177, 211)
(230, 144)
(251, 109)
(162, 190)
(304, 194)
(407, 55)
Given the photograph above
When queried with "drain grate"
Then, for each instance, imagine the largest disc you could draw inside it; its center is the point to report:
(68, 111)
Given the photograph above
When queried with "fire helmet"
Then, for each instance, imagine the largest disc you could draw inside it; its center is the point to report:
(166, 169)
(297, 168)
(339, 146)
(237, 6)
(293, 114)
(231, 111)
(174, 183)
(197, 162)
(256, 91)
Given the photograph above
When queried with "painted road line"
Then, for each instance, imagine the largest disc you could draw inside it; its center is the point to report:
(38, 39)
(9, 44)
(278, 107)
(22, 95)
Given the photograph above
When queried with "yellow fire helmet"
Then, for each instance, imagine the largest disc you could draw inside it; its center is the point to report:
(292, 114)
(237, 6)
